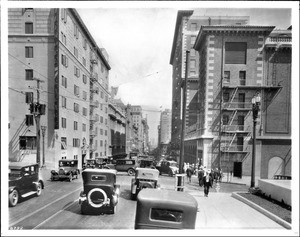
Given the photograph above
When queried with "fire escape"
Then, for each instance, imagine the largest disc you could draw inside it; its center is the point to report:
(94, 91)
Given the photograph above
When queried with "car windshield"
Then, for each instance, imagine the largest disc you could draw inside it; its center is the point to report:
(13, 174)
(67, 163)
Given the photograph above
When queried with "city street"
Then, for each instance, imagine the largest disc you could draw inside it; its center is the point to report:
(58, 208)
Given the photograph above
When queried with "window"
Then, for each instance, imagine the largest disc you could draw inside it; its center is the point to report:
(241, 120)
(76, 107)
(29, 120)
(84, 127)
(226, 97)
(240, 143)
(76, 71)
(76, 52)
(84, 111)
(106, 98)
(84, 95)
(28, 28)
(242, 76)
(64, 81)
(84, 78)
(105, 121)
(75, 125)
(63, 38)
(101, 107)
(63, 122)
(76, 31)
(76, 90)
(235, 52)
(193, 64)
(64, 15)
(63, 143)
(101, 131)
(101, 143)
(193, 26)
(76, 142)
(84, 61)
(84, 44)
(28, 74)
(101, 119)
(225, 119)
(64, 102)
(106, 110)
(27, 143)
(193, 52)
(105, 132)
(28, 52)
(193, 39)
(226, 76)
(64, 60)
(101, 94)
(28, 97)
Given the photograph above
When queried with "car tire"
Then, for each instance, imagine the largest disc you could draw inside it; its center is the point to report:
(113, 210)
(39, 189)
(13, 198)
(131, 172)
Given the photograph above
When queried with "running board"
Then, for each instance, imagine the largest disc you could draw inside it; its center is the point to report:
(28, 194)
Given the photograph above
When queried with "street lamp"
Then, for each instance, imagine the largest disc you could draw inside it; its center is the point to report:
(255, 108)
(43, 134)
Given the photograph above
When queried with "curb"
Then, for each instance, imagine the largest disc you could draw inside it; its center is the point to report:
(275, 218)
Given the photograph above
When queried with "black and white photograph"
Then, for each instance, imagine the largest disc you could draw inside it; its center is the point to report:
(144, 118)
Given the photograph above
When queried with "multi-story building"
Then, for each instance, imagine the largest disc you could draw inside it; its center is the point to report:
(145, 128)
(59, 65)
(187, 26)
(237, 63)
(131, 132)
(137, 117)
(117, 133)
(165, 130)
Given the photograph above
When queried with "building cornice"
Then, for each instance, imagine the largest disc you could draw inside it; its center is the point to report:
(225, 29)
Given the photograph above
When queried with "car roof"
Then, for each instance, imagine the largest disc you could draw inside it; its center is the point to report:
(100, 171)
(167, 197)
(19, 165)
(68, 160)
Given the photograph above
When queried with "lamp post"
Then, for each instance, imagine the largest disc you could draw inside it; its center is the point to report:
(43, 134)
(255, 108)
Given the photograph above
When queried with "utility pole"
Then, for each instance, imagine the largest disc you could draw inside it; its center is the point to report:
(37, 110)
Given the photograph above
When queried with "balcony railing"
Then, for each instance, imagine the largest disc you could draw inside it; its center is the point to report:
(237, 105)
(236, 128)
(94, 118)
(93, 133)
(278, 41)
(94, 104)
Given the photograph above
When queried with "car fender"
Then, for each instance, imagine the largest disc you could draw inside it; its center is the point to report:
(54, 172)
(12, 188)
(40, 181)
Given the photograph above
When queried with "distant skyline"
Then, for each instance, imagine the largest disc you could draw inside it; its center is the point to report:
(139, 40)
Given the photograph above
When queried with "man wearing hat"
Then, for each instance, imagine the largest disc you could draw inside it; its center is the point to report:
(207, 182)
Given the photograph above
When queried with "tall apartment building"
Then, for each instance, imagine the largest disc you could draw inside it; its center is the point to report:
(131, 132)
(235, 64)
(187, 26)
(60, 65)
(165, 130)
(137, 117)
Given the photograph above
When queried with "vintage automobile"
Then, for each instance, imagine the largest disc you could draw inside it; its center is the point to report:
(127, 165)
(24, 181)
(89, 163)
(168, 167)
(100, 192)
(144, 178)
(68, 169)
(165, 209)
(146, 163)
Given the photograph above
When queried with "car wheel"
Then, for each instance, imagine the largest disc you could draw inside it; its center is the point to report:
(113, 210)
(39, 189)
(131, 172)
(13, 198)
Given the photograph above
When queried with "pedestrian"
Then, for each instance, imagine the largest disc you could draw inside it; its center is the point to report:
(207, 182)
(200, 176)
(189, 173)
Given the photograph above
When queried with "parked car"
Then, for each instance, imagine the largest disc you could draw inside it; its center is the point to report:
(168, 167)
(24, 181)
(165, 209)
(100, 192)
(68, 169)
(127, 165)
(144, 178)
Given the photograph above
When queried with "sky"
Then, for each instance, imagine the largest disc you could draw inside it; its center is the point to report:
(139, 39)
